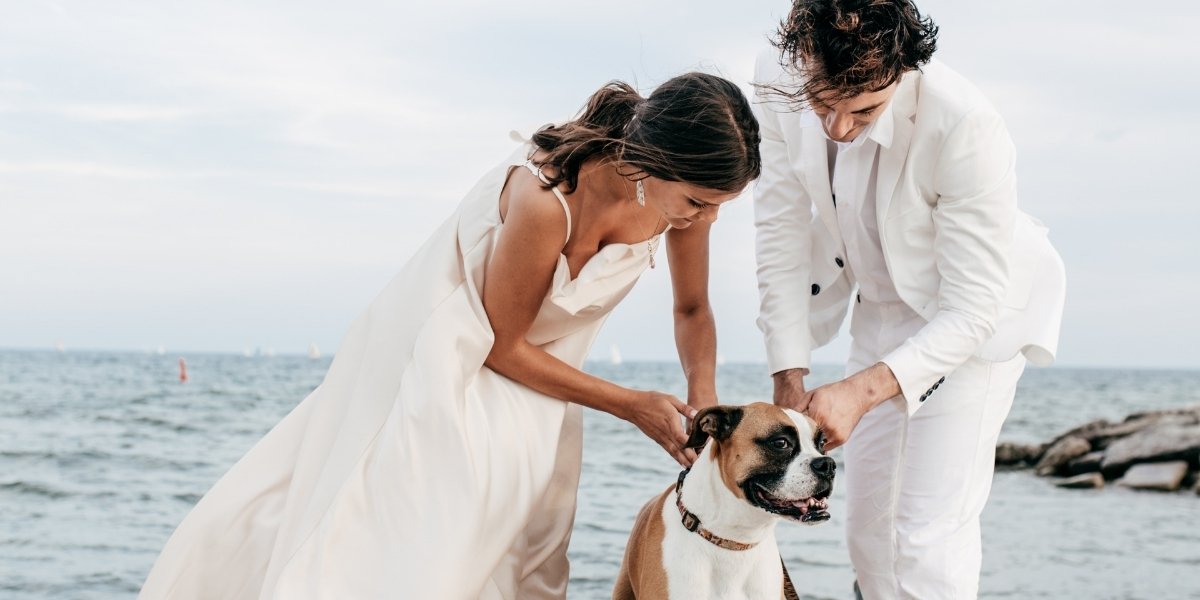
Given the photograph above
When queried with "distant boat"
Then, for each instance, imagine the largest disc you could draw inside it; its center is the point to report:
(314, 352)
(60, 347)
(270, 352)
(247, 352)
(614, 354)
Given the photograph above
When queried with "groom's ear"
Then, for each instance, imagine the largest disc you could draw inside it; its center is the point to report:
(715, 421)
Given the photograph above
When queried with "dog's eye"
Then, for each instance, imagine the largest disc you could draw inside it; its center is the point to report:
(781, 443)
(821, 443)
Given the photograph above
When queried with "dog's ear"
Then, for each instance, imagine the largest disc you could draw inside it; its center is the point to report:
(716, 421)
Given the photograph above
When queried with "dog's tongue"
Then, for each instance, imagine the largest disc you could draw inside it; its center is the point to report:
(803, 505)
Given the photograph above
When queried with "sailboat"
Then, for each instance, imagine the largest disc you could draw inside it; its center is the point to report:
(614, 354)
(314, 352)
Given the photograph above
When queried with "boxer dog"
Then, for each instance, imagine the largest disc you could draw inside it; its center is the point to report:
(712, 534)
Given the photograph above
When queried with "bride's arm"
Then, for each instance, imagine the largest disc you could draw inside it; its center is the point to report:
(695, 329)
(516, 282)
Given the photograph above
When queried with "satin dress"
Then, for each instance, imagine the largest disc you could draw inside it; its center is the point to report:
(413, 470)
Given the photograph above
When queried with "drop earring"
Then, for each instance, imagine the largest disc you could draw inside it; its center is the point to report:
(641, 200)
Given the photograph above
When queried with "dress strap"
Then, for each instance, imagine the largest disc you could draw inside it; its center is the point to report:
(536, 170)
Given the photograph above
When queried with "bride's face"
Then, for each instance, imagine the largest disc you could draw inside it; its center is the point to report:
(682, 204)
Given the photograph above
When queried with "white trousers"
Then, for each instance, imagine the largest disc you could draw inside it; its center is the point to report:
(917, 485)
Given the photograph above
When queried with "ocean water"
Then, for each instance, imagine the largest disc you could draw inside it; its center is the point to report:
(102, 454)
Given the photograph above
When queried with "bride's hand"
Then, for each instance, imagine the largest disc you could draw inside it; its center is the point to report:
(657, 415)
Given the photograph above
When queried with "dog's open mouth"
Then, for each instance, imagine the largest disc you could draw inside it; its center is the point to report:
(813, 509)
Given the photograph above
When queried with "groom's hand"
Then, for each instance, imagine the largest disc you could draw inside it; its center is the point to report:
(838, 407)
(789, 389)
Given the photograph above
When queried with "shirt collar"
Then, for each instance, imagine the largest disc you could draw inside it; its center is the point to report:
(881, 131)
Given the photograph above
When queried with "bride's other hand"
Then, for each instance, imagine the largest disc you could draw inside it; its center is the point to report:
(657, 415)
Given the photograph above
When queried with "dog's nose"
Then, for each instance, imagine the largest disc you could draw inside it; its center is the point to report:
(823, 466)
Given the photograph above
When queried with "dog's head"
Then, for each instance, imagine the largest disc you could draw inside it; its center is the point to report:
(770, 457)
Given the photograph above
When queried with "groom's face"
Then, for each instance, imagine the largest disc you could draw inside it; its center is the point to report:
(844, 119)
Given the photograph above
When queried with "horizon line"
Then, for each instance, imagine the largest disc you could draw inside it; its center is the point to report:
(274, 354)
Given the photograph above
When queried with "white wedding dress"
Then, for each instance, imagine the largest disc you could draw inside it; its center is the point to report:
(413, 471)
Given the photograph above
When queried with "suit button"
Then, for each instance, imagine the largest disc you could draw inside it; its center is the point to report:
(839, 262)
(935, 386)
(835, 200)
(859, 297)
(816, 289)
(942, 380)
(923, 397)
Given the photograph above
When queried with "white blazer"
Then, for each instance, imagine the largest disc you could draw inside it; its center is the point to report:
(980, 272)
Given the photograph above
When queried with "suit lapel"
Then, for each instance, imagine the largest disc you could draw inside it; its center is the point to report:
(816, 175)
(891, 159)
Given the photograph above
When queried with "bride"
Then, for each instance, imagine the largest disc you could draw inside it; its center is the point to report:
(440, 456)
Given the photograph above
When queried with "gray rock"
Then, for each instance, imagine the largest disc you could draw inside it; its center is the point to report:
(1018, 455)
(1085, 431)
(1166, 441)
(1093, 480)
(1192, 412)
(1138, 423)
(1063, 451)
(1164, 476)
(1088, 463)
(1101, 432)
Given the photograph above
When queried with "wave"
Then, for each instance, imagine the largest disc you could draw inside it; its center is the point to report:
(35, 489)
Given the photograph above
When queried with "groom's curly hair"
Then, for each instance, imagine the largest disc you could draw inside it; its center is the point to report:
(843, 48)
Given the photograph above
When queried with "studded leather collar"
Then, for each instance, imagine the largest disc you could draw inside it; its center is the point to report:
(692, 523)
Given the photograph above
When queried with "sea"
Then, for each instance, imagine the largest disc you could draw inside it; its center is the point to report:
(103, 453)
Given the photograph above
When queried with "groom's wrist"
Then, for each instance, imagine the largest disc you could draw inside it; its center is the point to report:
(790, 375)
(880, 384)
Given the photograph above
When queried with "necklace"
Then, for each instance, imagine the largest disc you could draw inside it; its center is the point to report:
(641, 200)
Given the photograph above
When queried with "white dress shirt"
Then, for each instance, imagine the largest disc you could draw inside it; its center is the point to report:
(853, 170)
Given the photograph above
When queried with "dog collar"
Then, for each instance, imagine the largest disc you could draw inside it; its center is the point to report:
(692, 523)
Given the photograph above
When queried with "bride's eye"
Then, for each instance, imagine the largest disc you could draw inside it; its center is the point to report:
(696, 203)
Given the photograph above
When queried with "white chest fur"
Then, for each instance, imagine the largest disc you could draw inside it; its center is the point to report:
(697, 568)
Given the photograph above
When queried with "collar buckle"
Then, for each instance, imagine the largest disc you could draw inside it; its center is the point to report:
(690, 522)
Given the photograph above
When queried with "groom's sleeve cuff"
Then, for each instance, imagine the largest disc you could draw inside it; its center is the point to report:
(788, 348)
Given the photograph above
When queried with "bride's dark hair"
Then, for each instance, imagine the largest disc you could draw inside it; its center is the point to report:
(695, 128)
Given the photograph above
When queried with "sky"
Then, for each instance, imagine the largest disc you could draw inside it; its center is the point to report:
(220, 176)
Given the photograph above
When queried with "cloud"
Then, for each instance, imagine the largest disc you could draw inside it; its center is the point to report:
(232, 158)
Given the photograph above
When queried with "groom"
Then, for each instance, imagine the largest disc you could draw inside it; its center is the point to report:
(888, 185)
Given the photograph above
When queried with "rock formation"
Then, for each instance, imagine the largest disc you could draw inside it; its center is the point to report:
(1157, 450)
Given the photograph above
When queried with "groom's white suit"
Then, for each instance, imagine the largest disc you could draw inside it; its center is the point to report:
(967, 289)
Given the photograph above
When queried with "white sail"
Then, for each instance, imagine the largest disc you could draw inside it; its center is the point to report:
(614, 354)
(313, 351)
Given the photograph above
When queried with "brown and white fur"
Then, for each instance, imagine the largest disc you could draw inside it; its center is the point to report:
(764, 464)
